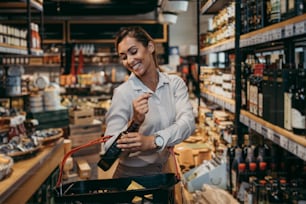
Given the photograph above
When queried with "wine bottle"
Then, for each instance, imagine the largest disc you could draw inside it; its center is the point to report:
(289, 80)
(230, 154)
(284, 9)
(235, 170)
(299, 105)
(275, 11)
(113, 152)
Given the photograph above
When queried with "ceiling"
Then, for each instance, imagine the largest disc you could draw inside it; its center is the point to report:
(91, 8)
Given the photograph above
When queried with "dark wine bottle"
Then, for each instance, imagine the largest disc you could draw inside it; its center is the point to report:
(113, 152)
(299, 105)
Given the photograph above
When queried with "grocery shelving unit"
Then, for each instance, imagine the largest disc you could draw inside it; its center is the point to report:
(292, 28)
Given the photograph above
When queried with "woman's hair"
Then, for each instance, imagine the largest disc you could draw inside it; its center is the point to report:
(139, 34)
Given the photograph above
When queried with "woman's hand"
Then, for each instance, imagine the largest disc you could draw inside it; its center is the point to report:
(134, 142)
(140, 108)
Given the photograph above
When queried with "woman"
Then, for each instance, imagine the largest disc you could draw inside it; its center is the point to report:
(156, 102)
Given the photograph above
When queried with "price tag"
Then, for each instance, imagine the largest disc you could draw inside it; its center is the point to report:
(276, 138)
(292, 147)
(278, 33)
(258, 128)
(289, 30)
(284, 142)
(253, 124)
(264, 131)
(301, 152)
(300, 28)
(269, 134)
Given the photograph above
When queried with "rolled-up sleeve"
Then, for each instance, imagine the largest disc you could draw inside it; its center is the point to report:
(184, 124)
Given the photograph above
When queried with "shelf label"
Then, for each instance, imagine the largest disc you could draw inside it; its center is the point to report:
(301, 152)
(300, 28)
(284, 142)
(292, 147)
(258, 128)
(269, 134)
(253, 124)
(289, 30)
(276, 138)
(264, 131)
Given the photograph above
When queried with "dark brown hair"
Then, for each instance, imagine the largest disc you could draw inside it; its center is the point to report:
(139, 34)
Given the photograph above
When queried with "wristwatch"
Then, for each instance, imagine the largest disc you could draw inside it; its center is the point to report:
(159, 141)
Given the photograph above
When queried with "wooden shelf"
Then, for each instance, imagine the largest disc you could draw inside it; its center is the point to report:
(226, 103)
(290, 28)
(213, 6)
(295, 144)
(19, 6)
(28, 175)
(224, 45)
(9, 49)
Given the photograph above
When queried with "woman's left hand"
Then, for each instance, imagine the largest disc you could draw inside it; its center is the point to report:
(134, 142)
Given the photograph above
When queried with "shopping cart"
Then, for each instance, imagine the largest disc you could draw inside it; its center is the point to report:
(155, 189)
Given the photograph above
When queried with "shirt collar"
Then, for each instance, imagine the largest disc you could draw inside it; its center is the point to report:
(139, 86)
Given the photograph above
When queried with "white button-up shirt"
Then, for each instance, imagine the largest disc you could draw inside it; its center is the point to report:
(170, 115)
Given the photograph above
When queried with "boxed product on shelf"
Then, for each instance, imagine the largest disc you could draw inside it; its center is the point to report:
(81, 116)
(82, 134)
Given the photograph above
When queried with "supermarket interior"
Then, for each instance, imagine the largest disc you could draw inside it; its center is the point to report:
(242, 64)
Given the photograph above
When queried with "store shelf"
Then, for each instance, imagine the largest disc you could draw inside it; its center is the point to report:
(213, 6)
(290, 28)
(19, 6)
(225, 103)
(293, 143)
(12, 49)
(29, 174)
(224, 45)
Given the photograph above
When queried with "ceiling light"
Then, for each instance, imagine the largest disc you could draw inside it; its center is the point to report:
(177, 6)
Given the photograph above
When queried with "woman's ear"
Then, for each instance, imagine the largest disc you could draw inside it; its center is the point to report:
(151, 47)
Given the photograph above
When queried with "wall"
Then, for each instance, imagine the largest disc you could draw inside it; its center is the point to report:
(184, 32)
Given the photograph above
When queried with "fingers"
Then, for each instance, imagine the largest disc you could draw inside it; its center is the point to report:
(141, 107)
(130, 142)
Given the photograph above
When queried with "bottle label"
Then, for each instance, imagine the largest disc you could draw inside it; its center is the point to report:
(260, 104)
(287, 111)
(298, 120)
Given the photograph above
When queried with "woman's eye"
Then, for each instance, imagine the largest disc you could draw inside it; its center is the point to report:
(133, 51)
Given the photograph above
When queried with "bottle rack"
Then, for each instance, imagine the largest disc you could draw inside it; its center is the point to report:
(291, 28)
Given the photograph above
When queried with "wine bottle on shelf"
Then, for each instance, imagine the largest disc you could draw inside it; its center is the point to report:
(299, 105)
(262, 154)
(291, 8)
(236, 168)
(230, 154)
(284, 9)
(275, 11)
(289, 81)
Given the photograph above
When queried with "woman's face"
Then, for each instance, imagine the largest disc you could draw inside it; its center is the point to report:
(135, 56)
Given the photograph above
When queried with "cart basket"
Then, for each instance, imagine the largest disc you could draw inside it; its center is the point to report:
(158, 189)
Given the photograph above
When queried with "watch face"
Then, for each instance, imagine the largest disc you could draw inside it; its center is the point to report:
(159, 141)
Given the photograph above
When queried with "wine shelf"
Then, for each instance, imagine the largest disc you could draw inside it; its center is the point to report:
(290, 28)
(293, 143)
(213, 6)
(225, 103)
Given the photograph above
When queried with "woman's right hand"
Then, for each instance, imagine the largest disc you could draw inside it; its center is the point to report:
(141, 107)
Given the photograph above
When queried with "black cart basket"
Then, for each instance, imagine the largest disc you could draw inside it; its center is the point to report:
(158, 189)
(155, 189)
